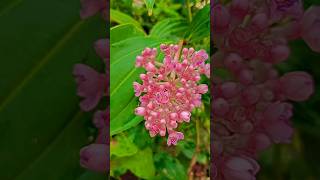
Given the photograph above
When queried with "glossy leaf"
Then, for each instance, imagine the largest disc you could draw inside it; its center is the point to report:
(122, 75)
(170, 28)
(200, 25)
(140, 164)
(171, 168)
(122, 18)
(125, 31)
(41, 128)
(122, 146)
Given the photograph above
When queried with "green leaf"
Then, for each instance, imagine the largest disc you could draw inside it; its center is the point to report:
(122, 75)
(125, 31)
(149, 5)
(140, 164)
(41, 128)
(121, 146)
(169, 167)
(88, 175)
(200, 25)
(122, 18)
(170, 28)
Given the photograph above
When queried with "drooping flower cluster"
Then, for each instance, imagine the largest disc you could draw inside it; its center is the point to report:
(251, 102)
(169, 90)
(92, 87)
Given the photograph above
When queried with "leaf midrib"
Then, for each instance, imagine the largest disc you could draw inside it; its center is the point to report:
(40, 64)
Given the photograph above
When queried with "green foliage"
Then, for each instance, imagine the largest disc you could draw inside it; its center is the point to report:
(134, 29)
(122, 74)
(141, 164)
(122, 18)
(149, 4)
(41, 126)
(125, 31)
(173, 28)
(169, 167)
(122, 146)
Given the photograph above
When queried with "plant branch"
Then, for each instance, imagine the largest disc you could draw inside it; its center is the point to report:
(197, 150)
(189, 10)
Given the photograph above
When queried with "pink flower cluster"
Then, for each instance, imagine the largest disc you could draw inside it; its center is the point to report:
(92, 87)
(92, 7)
(169, 90)
(251, 101)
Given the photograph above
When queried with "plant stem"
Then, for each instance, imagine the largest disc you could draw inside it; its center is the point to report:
(196, 151)
(189, 10)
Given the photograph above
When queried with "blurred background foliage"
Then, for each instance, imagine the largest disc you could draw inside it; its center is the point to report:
(42, 128)
(135, 25)
(300, 159)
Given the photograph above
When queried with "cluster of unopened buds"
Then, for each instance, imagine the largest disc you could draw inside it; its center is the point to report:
(169, 89)
(251, 103)
(92, 87)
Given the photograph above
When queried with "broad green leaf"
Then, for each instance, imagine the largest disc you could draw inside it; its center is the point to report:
(122, 75)
(140, 164)
(149, 5)
(122, 18)
(122, 146)
(125, 31)
(200, 25)
(170, 28)
(41, 129)
(169, 167)
(89, 175)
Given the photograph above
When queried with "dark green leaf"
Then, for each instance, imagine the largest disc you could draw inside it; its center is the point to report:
(41, 129)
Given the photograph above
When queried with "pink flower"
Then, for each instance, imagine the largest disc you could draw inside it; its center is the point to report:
(311, 27)
(91, 86)
(174, 137)
(95, 157)
(102, 49)
(169, 91)
(285, 8)
(297, 86)
(240, 168)
(100, 121)
(250, 103)
(91, 7)
(276, 122)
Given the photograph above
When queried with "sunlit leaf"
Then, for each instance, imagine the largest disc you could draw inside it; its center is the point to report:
(141, 164)
(122, 146)
(170, 28)
(200, 25)
(122, 75)
(122, 18)
(149, 5)
(125, 31)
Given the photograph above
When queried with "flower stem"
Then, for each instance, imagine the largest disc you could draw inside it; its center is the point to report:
(196, 151)
(189, 10)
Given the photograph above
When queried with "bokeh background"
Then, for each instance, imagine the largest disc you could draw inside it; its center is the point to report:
(300, 159)
(42, 128)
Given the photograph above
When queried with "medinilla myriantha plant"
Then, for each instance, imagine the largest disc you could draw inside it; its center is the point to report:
(159, 98)
(252, 104)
